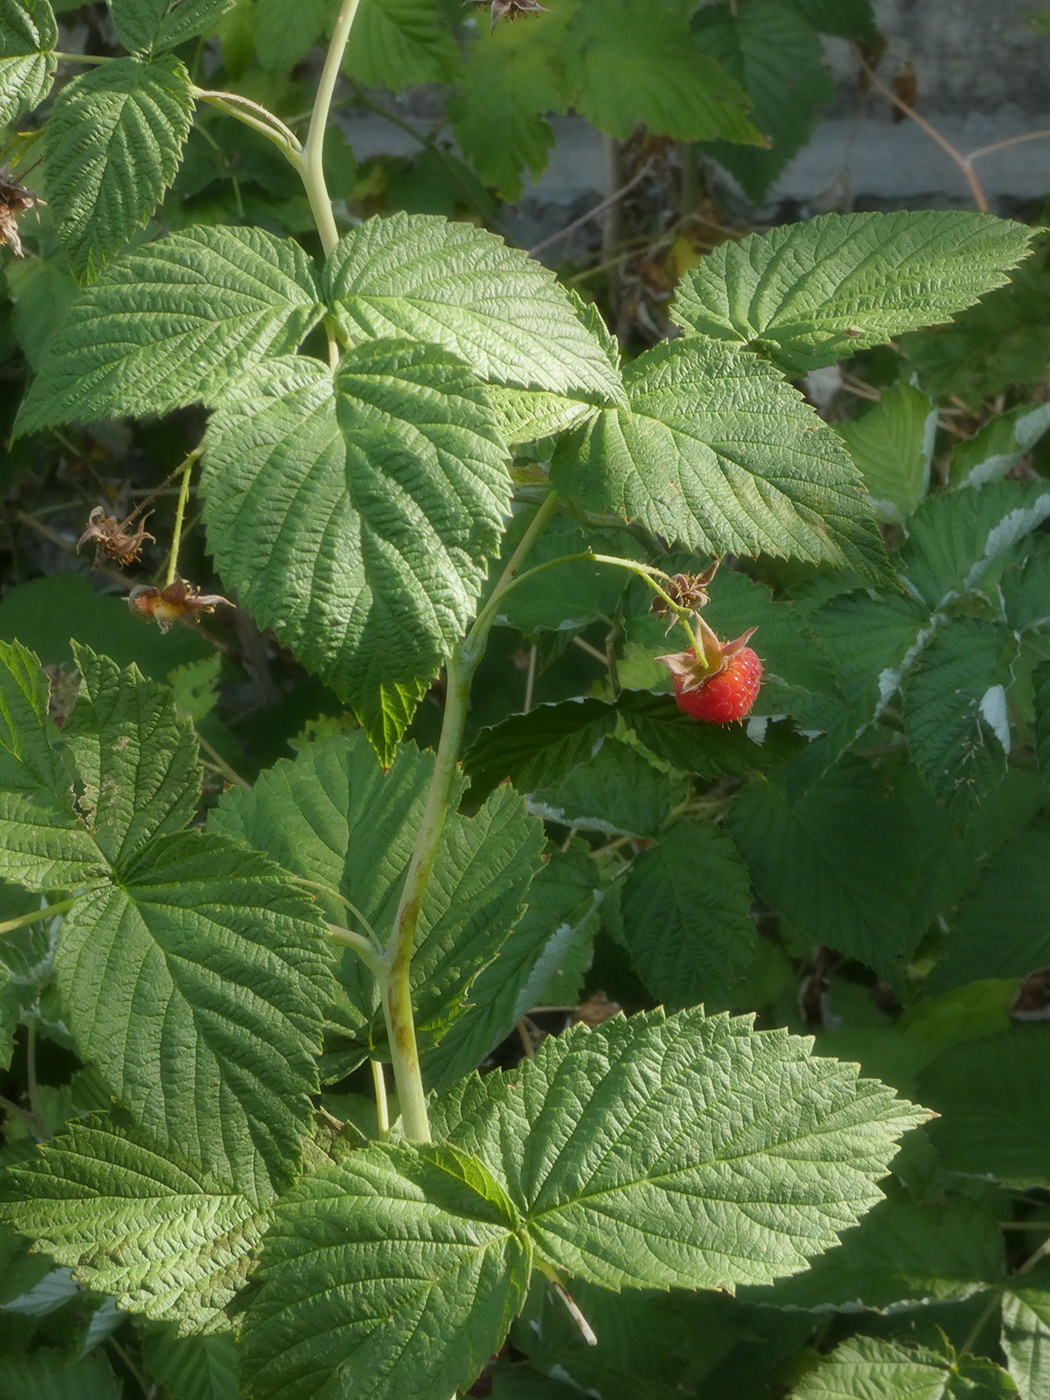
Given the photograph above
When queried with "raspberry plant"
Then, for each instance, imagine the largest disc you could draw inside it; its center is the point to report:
(414, 434)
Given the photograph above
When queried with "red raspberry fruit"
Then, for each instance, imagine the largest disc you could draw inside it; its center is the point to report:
(726, 696)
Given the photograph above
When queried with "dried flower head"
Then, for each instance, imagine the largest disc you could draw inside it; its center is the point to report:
(509, 9)
(178, 599)
(687, 590)
(15, 199)
(114, 539)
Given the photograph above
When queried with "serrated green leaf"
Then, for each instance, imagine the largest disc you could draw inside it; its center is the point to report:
(135, 758)
(685, 906)
(615, 790)
(866, 635)
(1041, 683)
(682, 1151)
(137, 1220)
(777, 57)
(28, 35)
(172, 324)
(824, 860)
(1026, 1332)
(543, 959)
(1025, 587)
(810, 294)
(191, 1368)
(111, 148)
(511, 81)
(145, 26)
(999, 445)
(396, 1273)
(284, 34)
(197, 988)
(892, 445)
(535, 749)
(630, 69)
(335, 818)
(355, 515)
(955, 711)
(459, 287)
(1008, 898)
(48, 1372)
(399, 43)
(885, 1370)
(43, 842)
(718, 453)
(955, 538)
(995, 1117)
(850, 19)
(904, 1252)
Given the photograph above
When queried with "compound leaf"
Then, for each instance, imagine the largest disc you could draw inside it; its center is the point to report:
(284, 33)
(459, 287)
(683, 1151)
(354, 515)
(28, 35)
(137, 1221)
(197, 987)
(335, 818)
(718, 453)
(111, 148)
(172, 324)
(809, 294)
(402, 1269)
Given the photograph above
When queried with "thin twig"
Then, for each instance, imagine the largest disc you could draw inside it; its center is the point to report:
(594, 213)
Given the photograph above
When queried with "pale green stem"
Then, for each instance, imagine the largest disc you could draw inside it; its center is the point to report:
(77, 57)
(364, 950)
(382, 1107)
(36, 916)
(252, 114)
(313, 150)
(180, 512)
(397, 1003)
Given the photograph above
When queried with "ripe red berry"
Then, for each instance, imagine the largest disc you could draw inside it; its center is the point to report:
(728, 695)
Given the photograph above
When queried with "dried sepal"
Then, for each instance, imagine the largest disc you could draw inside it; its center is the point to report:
(708, 657)
(509, 9)
(687, 590)
(115, 539)
(15, 199)
(178, 599)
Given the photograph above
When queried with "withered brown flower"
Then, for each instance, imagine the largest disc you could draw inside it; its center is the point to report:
(15, 199)
(178, 599)
(114, 539)
(687, 590)
(510, 9)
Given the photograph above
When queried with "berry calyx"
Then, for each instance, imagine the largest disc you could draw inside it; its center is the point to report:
(715, 681)
(727, 696)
